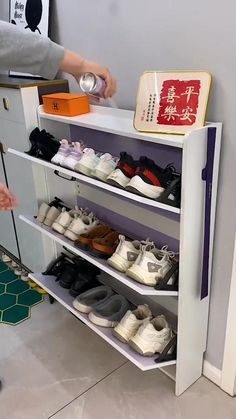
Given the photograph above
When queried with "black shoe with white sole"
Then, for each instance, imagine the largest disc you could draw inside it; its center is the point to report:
(150, 180)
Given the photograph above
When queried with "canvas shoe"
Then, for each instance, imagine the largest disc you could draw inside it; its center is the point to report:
(88, 300)
(63, 152)
(5, 258)
(74, 157)
(109, 313)
(150, 180)
(131, 322)
(88, 162)
(105, 166)
(126, 253)
(123, 172)
(151, 266)
(79, 225)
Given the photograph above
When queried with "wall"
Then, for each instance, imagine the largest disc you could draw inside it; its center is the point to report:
(133, 36)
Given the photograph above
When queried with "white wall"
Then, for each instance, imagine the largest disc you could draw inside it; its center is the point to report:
(131, 36)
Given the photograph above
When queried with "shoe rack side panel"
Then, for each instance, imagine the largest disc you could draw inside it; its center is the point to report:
(192, 309)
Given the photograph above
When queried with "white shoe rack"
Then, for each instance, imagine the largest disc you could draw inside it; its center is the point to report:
(192, 225)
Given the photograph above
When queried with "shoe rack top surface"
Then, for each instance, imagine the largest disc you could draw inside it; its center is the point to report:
(114, 121)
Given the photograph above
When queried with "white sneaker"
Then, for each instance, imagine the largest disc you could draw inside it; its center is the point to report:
(14, 264)
(126, 253)
(152, 337)
(65, 218)
(74, 157)
(5, 258)
(18, 271)
(87, 163)
(117, 178)
(62, 222)
(105, 166)
(62, 153)
(80, 225)
(24, 276)
(151, 266)
(131, 322)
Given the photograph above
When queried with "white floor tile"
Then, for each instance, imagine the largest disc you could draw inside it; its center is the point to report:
(130, 394)
(47, 361)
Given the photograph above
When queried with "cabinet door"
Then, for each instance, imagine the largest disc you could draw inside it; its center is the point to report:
(11, 107)
(21, 181)
(7, 232)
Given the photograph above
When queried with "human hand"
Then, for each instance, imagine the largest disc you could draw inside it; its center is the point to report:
(8, 201)
(104, 73)
(75, 65)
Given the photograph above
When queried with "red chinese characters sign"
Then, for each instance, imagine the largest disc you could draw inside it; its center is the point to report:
(179, 101)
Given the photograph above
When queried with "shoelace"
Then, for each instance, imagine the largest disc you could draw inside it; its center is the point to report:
(165, 252)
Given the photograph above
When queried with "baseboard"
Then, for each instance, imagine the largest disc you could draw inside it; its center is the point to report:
(212, 373)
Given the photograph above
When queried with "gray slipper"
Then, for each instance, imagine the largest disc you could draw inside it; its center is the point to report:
(88, 300)
(110, 312)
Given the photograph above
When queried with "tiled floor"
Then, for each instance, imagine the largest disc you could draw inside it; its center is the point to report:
(53, 366)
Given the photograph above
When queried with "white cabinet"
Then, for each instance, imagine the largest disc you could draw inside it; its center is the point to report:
(19, 101)
(192, 225)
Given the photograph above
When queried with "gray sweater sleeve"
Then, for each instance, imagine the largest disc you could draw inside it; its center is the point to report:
(28, 52)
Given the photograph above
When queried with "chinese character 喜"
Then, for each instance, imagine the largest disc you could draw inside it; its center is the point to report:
(171, 95)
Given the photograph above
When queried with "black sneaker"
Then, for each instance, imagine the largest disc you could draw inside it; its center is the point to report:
(150, 179)
(123, 172)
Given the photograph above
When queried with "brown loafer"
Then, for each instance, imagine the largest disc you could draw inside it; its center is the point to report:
(106, 245)
(97, 232)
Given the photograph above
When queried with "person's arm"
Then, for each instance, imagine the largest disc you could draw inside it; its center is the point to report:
(28, 52)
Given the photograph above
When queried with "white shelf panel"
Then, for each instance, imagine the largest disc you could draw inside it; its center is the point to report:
(101, 264)
(96, 183)
(114, 121)
(62, 296)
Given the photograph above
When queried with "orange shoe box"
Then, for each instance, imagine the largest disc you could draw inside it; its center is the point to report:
(66, 104)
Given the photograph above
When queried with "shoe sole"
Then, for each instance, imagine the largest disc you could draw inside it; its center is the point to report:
(58, 228)
(115, 183)
(40, 219)
(118, 263)
(71, 236)
(135, 273)
(47, 222)
(138, 186)
(100, 175)
(119, 336)
(81, 307)
(102, 322)
(85, 170)
(139, 349)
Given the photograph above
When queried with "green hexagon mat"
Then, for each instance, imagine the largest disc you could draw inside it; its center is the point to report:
(16, 297)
